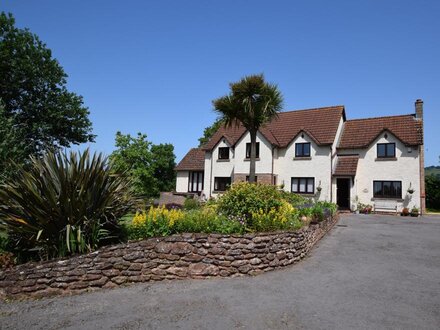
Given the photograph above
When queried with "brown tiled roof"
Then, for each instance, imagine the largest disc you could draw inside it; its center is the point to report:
(346, 165)
(360, 133)
(194, 160)
(320, 124)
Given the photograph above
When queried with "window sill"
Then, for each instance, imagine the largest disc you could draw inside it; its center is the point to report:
(248, 159)
(304, 194)
(384, 159)
(218, 191)
(223, 160)
(397, 199)
(302, 158)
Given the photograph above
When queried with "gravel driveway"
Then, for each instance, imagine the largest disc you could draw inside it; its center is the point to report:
(369, 272)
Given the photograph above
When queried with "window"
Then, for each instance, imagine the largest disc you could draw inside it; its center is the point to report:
(223, 153)
(247, 178)
(386, 150)
(303, 185)
(195, 183)
(248, 150)
(302, 149)
(222, 183)
(387, 189)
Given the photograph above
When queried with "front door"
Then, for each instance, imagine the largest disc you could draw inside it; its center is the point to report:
(343, 193)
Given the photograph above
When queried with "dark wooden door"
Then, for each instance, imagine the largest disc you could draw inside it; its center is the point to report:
(343, 193)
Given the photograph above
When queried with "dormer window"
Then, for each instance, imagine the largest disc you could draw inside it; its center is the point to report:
(248, 150)
(386, 150)
(223, 153)
(302, 149)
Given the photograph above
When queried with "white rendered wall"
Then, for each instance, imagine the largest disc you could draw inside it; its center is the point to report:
(405, 169)
(317, 167)
(263, 165)
(182, 181)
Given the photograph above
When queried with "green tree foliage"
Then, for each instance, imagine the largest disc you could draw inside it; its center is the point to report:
(34, 93)
(163, 163)
(432, 186)
(209, 131)
(64, 204)
(151, 167)
(252, 102)
(13, 149)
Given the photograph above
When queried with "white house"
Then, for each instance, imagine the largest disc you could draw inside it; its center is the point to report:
(320, 154)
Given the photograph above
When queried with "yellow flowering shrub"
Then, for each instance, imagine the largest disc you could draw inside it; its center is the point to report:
(156, 214)
(283, 217)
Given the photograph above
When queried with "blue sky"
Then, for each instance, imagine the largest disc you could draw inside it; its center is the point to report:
(155, 66)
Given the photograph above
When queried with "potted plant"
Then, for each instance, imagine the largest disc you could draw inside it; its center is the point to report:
(405, 212)
(410, 189)
(414, 212)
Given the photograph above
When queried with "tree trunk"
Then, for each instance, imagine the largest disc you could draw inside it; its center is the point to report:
(253, 135)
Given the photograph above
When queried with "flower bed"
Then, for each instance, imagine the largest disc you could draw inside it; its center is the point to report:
(178, 256)
(244, 208)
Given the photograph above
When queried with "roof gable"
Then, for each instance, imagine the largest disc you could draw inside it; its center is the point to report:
(194, 160)
(321, 124)
(360, 133)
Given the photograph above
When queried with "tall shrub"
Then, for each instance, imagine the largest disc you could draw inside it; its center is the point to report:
(64, 204)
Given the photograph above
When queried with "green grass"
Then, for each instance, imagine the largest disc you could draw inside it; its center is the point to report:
(434, 211)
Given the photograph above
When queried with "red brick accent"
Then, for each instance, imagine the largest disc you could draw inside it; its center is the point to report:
(265, 178)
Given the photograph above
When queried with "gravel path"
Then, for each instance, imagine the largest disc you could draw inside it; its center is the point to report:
(369, 272)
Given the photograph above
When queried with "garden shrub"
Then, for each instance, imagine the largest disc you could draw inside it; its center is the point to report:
(244, 199)
(163, 222)
(63, 204)
(244, 208)
(317, 212)
(191, 204)
(285, 217)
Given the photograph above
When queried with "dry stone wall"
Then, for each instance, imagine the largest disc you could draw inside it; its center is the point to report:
(165, 258)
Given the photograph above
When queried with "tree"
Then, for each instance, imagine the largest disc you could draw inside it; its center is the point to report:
(163, 162)
(251, 102)
(209, 131)
(432, 186)
(150, 167)
(33, 90)
(13, 149)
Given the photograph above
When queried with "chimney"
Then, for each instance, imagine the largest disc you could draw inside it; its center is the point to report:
(419, 109)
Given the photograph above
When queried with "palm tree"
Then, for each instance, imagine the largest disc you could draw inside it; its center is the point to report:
(251, 102)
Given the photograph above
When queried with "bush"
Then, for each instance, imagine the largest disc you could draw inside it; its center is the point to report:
(191, 204)
(295, 199)
(64, 205)
(317, 212)
(244, 208)
(244, 199)
(283, 218)
(162, 222)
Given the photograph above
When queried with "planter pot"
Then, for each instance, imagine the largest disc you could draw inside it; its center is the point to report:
(414, 215)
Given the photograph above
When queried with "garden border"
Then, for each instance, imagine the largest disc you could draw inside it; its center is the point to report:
(179, 256)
